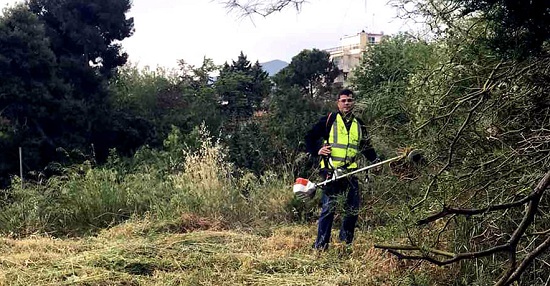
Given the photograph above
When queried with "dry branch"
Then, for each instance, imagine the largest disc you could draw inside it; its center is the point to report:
(514, 270)
(262, 8)
(451, 210)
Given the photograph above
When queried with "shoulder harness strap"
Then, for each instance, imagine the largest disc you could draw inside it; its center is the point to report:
(328, 119)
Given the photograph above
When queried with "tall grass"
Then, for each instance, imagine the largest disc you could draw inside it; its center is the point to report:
(79, 202)
(211, 186)
(161, 184)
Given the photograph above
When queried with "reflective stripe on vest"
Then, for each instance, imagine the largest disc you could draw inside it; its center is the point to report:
(345, 145)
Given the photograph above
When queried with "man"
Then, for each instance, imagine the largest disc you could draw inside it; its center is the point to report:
(338, 138)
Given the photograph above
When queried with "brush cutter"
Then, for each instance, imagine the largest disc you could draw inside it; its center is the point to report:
(304, 188)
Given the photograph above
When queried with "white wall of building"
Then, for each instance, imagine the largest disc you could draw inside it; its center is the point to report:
(348, 55)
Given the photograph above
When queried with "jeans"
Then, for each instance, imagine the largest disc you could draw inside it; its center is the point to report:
(347, 188)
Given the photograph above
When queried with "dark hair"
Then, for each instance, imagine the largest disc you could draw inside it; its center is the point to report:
(346, 91)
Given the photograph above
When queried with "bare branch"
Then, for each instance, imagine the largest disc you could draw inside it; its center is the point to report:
(248, 8)
(526, 262)
(450, 210)
(451, 151)
(455, 257)
(531, 210)
(514, 271)
(409, 247)
(546, 232)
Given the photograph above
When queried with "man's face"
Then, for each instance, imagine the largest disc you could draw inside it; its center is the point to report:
(345, 104)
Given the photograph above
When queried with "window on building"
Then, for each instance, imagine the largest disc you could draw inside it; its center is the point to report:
(371, 40)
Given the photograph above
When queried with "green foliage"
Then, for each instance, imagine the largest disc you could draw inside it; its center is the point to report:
(86, 31)
(136, 89)
(148, 103)
(53, 94)
(202, 101)
(274, 140)
(242, 87)
(26, 71)
(382, 85)
(518, 28)
(478, 115)
(311, 70)
(291, 115)
(83, 66)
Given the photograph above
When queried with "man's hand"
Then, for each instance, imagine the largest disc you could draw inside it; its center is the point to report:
(324, 151)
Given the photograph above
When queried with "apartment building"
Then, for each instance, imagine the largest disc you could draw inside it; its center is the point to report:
(348, 55)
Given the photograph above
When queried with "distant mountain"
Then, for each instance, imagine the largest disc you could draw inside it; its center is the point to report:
(273, 67)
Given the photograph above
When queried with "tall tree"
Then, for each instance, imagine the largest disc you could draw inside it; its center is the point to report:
(58, 62)
(519, 28)
(242, 87)
(483, 115)
(27, 77)
(85, 35)
(311, 70)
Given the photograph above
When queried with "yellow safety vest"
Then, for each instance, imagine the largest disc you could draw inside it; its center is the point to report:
(344, 144)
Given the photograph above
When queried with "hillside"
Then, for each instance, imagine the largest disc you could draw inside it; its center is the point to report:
(195, 251)
(273, 67)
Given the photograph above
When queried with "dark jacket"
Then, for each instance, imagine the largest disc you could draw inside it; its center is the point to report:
(321, 130)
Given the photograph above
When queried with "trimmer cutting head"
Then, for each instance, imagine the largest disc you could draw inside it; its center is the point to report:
(304, 189)
(414, 155)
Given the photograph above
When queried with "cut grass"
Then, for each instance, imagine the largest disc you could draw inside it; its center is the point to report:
(197, 251)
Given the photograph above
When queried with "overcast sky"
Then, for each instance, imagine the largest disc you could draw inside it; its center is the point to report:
(168, 30)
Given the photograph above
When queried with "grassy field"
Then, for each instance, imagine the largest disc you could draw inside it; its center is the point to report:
(197, 224)
(198, 251)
